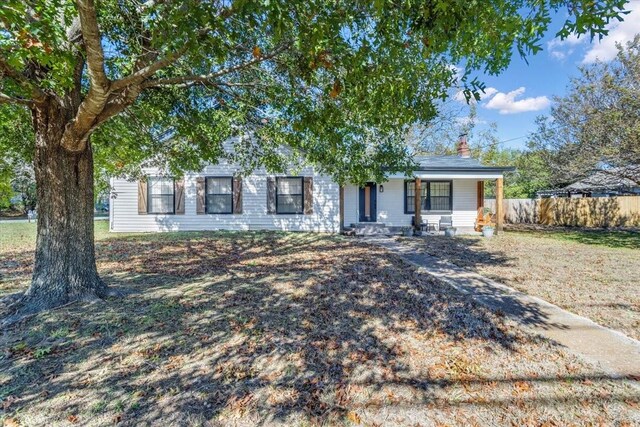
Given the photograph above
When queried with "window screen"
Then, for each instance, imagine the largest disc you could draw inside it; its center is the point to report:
(439, 196)
(289, 198)
(411, 191)
(160, 192)
(435, 196)
(220, 195)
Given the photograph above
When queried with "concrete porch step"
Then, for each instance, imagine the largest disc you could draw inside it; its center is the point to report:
(370, 228)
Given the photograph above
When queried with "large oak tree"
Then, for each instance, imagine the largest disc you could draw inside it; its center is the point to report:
(595, 126)
(167, 81)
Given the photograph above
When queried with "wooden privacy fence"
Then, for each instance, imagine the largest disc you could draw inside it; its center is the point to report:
(516, 211)
(582, 212)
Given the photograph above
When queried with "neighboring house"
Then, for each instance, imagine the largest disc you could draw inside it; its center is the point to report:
(217, 198)
(604, 183)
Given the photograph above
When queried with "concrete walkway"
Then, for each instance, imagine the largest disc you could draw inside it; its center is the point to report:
(618, 354)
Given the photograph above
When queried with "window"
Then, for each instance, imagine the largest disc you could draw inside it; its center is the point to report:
(219, 195)
(435, 196)
(160, 194)
(289, 198)
(410, 187)
(439, 196)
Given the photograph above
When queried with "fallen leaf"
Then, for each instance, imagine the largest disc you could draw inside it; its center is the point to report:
(353, 417)
(522, 386)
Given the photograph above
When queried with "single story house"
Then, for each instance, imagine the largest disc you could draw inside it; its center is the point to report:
(217, 198)
(621, 181)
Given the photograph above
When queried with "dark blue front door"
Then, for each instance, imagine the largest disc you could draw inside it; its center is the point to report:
(368, 203)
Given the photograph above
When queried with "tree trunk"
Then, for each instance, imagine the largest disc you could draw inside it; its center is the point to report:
(65, 266)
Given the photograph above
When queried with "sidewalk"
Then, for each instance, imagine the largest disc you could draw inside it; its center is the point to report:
(614, 351)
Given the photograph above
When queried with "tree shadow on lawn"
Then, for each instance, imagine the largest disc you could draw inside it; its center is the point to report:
(261, 325)
(468, 252)
(464, 251)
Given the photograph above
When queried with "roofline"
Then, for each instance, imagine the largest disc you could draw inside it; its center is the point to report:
(462, 169)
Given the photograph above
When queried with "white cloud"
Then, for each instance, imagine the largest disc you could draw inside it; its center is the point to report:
(506, 103)
(619, 32)
(560, 49)
(488, 93)
(605, 49)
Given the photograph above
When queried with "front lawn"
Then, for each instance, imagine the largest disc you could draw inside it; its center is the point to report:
(276, 328)
(594, 273)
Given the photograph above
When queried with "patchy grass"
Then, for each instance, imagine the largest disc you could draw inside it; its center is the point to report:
(591, 273)
(275, 328)
(624, 238)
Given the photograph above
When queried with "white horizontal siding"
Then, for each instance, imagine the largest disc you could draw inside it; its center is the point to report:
(124, 215)
(465, 202)
(351, 205)
(391, 204)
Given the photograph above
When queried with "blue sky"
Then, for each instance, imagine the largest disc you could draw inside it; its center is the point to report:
(516, 97)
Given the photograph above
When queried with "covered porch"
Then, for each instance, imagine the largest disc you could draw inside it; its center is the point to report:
(429, 202)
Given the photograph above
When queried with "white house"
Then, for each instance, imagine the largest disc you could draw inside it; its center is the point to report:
(450, 190)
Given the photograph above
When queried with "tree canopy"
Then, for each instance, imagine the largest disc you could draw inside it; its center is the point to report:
(338, 82)
(596, 125)
(166, 82)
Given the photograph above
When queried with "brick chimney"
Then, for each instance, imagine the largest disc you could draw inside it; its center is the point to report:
(463, 147)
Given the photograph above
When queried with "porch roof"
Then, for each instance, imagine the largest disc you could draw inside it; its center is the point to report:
(450, 167)
(455, 164)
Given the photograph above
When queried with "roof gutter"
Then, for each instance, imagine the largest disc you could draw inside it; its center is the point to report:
(458, 169)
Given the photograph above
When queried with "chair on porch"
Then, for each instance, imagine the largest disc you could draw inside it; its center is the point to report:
(483, 219)
(445, 221)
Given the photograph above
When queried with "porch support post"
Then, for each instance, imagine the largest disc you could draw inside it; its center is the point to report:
(499, 205)
(480, 206)
(418, 204)
(480, 195)
(341, 208)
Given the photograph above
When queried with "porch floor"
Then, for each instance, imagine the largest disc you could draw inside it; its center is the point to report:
(375, 228)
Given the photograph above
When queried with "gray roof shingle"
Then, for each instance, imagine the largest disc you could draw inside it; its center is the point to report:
(608, 179)
(439, 163)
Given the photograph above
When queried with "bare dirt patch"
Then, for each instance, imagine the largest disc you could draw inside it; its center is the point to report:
(271, 328)
(588, 272)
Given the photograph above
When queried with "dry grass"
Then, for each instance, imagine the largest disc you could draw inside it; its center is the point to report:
(592, 273)
(296, 329)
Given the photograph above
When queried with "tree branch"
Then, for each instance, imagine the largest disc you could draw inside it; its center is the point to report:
(21, 80)
(145, 72)
(210, 78)
(118, 103)
(93, 45)
(6, 99)
(77, 131)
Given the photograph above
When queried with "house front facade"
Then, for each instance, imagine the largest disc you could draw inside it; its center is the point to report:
(218, 198)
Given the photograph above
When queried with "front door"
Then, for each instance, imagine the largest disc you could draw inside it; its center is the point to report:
(368, 205)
